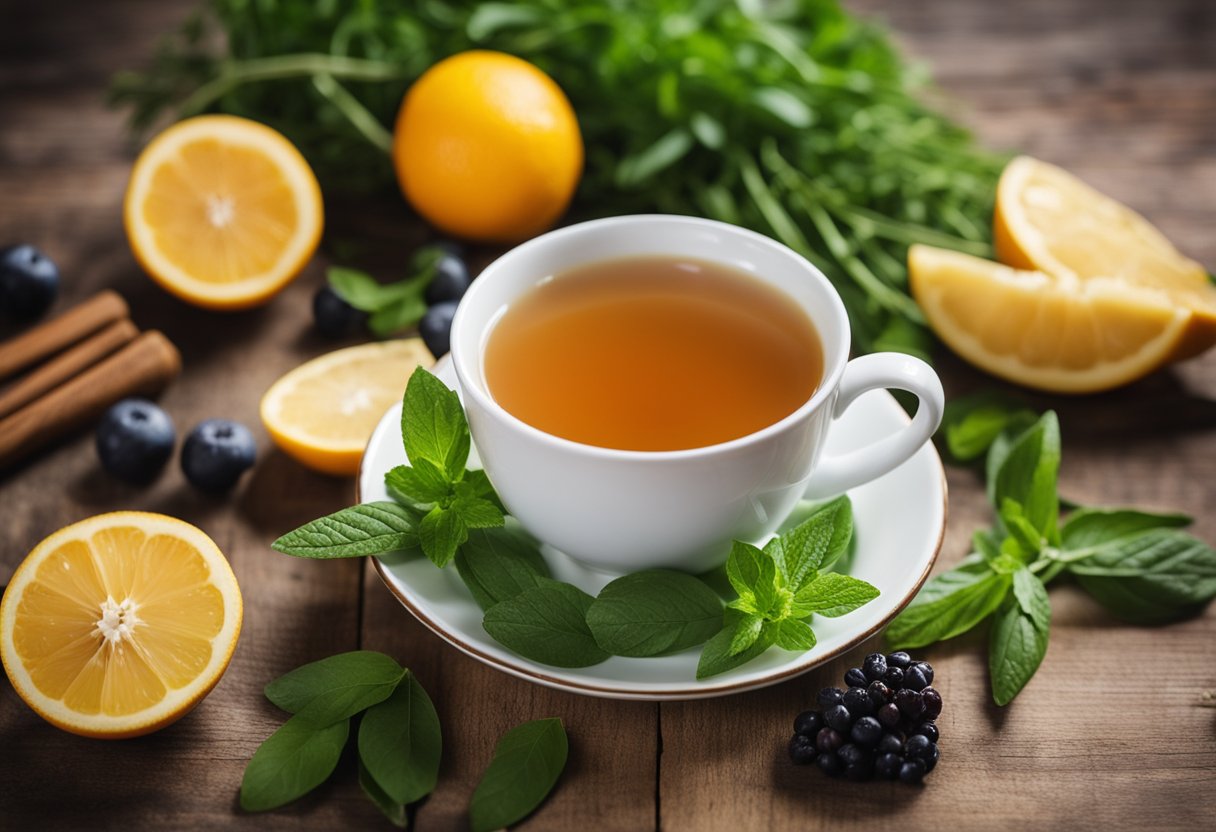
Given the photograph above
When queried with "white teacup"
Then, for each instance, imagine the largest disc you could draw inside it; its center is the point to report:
(621, 511)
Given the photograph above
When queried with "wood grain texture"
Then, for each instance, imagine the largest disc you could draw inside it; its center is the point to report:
(1108, 735)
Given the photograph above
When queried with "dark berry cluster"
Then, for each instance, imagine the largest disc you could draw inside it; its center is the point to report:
(881, 726)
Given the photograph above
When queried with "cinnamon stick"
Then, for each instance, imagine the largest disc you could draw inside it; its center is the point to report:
(48, 338)
(68, 364)
(142, 367)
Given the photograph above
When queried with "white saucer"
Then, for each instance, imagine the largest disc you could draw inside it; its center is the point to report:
(899, 520)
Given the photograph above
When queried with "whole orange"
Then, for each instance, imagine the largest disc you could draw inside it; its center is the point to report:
(487, 147)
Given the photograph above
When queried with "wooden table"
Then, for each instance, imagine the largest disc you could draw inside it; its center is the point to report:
(1110, 734)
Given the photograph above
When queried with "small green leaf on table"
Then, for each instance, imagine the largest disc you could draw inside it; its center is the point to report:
(1018, 641)
(293, 761)
(949, 605)
(1088, 527)
(335, 688)
(527, 763)
(396, 813)
(400, 743)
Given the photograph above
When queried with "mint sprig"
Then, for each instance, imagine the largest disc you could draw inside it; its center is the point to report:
(391, 307)
(1137, 564)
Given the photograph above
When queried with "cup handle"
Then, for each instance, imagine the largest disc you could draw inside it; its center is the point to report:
(840, 472)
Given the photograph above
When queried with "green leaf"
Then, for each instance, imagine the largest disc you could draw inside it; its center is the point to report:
(293, 761)
(743, 567)
(433, 425)
(396, 813)
(972, 423)
(367, 529)
(1158, 576)
(784, 105)
(477, 513)
(547, 624)
(335, 688)
(816, 543)
(420, 485)
(708, 130)
(654, 612)
(1018, 640)
(949, 605)
(475, 483)
(832, 595)
(716, 657)
(489, 19)
(499, 563)
(359, 289)
(397, 316)
(441, 533)
(1026, 536)
(662, 154)
(1027, 474)
(400, 743)
(527, 763)
(1094, 526)
(795, 635)
(747, 630)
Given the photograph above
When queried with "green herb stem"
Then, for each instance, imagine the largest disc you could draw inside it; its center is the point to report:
(360, 118)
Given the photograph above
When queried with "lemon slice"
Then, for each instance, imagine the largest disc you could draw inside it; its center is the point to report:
(222, 211)
(322, 413)
(1049, 220)
(1040, 330)
(120, 624)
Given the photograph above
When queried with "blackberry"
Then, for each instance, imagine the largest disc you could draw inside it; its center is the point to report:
(838, 717)
(894, 677)
(802, 750)
(808, 723)
(909, 702)
(933, 702)
(875, 666)
(829, 697)
(855, 677)
(857, 700)
(880, 694)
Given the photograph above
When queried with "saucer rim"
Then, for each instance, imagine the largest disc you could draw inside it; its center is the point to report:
(776, 677)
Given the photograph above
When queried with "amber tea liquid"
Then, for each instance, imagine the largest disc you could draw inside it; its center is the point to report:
(653, 354)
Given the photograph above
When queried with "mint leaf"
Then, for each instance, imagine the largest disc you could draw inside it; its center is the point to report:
(421, 485)
(477, 513)
(1018, 641)
(399, 314)
(949, 605)
(293, 761)
(832, 595)
(367, 529)
(475, 483)
(333, 689)
(716, 657)
(547, 624)
(1094, 526)
(527, 763)
(400, 743)
(360, 289)
(433, 425)
(1027, 474)
(743, 567)
(816, 543)
(1158, 576)
(746, 632)
(654, 612)
(795, 635)
(972, 423)
(440, 533)
(1026, 536)
(396, 813)
(499, 563)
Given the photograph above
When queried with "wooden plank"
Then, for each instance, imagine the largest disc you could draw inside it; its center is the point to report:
(609, 782)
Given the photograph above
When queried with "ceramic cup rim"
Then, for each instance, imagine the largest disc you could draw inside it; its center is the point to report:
(839, 351)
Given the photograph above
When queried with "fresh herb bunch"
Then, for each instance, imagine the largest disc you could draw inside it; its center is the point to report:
(452, 514)
(400, 743)
(795, 118)
(1136, 564)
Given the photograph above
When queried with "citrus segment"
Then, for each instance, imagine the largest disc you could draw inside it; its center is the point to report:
(222, 211)
(487, 147)
(1049, 220)
(1047, 332)
(323, 412)
(119, 624)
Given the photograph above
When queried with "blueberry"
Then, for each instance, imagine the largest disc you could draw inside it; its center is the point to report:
(134, 440)
(933, 702)
(829, 763)
(866, 730)
(917, 747)
(436, 327)
(859, 772)
(828, 739)
(808, 723)
(855, 677)
(914, 679)
(890, 744)
(851, 754)
(875, 666)
(216, 453)
(451, 279)
(926, 670)
(857, 700)
(927, 729)
(889, 715)
(829, 697)
(894, 678)
(802, 750)
(29, 282)
(913, 771)
(910, 703)
(879, 693)
(838, 717)
(333, 317)
(887, 766)
(899, 659)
